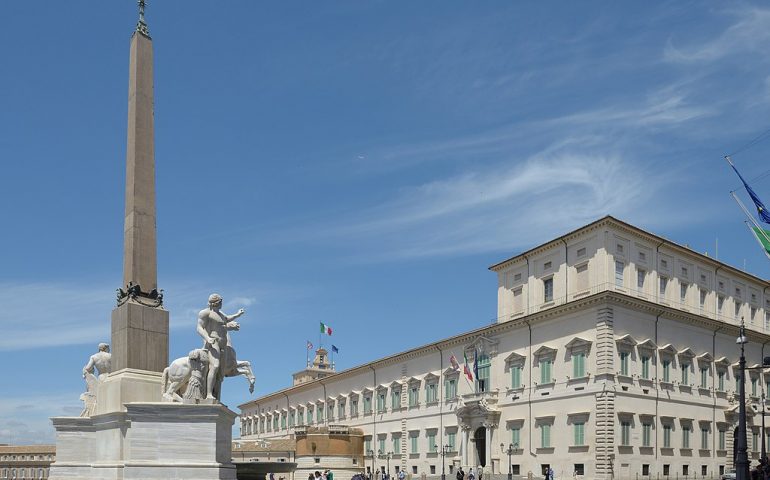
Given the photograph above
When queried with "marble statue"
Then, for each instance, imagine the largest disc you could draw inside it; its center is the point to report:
(198, 376)
(100, 362)
(214, 327)
(187, 375)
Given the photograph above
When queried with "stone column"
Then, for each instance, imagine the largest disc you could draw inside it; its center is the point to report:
(466, 443)
(488, 445)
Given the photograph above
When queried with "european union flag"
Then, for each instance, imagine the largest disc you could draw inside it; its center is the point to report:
(335, 349)
(764, 215)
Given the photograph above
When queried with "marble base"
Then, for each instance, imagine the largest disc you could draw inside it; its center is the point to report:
(146, 441)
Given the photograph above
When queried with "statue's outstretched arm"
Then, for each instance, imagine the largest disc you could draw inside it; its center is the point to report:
(235, 315)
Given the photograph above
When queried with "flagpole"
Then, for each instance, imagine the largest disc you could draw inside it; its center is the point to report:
(757, 239)
(307, 355)
(749, 216)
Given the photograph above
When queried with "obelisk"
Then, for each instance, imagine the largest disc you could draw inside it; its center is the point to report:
(139, 323)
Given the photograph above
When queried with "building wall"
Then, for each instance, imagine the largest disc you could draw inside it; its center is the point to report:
(622, 417)
(26, 461)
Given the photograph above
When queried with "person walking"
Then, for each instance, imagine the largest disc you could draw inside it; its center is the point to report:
(471, 475)
(401, 475)
(460, 474)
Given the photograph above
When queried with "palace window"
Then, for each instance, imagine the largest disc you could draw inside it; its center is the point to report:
(397, 444)
(579, 364)
(451, 440)
(414, 396)
(683, 292)
(646, 434)
(413, 442)
(578, 433)
(516, 376)
(702, 300)
(619, 266)
(450, 389)
(380, 402)
(546, 366)
(395, 398)
(685, 373)
(340, 408)
(624, 363)
(666, 370)
(685, 436)
(704, 438)
(640, 276)
(625, 433)
(516, 435)
(545, 435)
(431, 435)
(548, 289)
(704, 374)
(367, 404)
(722, 439)
(646, 367)
(721, 380)
(483, 379)
(354, 408)
(667, 436)
(431, 393)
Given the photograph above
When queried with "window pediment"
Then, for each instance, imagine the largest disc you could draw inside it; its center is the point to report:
(647, 344)
(515, 359)
(705, 358)
(667, 349)
(431, 378)
(341, 397)
(483, 345)
(722, 362)
(686, 353)
(544, 351)
(578, 343)
(414, 381)
(626, 341)
(396, 385)
(451, 372)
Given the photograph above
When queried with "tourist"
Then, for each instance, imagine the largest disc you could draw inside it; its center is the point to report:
(472, 476)
(480, 469)
(401, 475)
(460, 474)
(310, 476)
(329, 475)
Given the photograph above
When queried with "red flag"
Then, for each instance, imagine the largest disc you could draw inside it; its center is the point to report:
(467, 369)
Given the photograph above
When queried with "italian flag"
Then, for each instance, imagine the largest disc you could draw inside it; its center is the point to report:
(326, 329)
(763, 237)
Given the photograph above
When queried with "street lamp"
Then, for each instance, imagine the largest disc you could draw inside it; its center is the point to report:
(371, 454)
(512, 448)
(741, 456)
(444, 452)
(386, 456)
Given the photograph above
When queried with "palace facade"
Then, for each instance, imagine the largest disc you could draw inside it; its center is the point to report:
(613, 356)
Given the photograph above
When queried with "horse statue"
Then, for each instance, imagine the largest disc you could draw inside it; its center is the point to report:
(188, 375)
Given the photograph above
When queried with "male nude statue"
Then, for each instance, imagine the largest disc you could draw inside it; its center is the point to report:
(101, 360)
(213, 326)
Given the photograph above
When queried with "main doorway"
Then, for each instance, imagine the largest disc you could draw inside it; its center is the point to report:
(480, 440)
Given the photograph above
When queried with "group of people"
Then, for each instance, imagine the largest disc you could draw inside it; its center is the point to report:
(319, 475)
(471, 475)
(761, 471)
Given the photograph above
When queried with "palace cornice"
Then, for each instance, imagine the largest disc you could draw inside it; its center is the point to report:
(552, 244)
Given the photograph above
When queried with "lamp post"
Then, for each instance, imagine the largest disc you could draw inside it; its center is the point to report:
(444, 452)
(371, 453)
(512, 447)
(386, 456)
(741, 456)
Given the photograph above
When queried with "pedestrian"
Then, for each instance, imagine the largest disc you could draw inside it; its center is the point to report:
(401, 475)
(329, 474)
(550, 473)
(310, 476)
(460, 474)
(481, 471)
(471, 475)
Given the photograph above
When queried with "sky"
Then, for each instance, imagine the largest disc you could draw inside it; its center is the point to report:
(357, 163)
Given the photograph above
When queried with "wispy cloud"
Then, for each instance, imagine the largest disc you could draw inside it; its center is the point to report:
(509, 205)
(749, 34)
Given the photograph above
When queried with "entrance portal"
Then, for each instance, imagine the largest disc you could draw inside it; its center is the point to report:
(480, 440)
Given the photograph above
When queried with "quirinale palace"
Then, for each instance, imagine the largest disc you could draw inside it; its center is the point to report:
(613, 356)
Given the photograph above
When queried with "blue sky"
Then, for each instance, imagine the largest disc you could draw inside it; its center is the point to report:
(357, 163)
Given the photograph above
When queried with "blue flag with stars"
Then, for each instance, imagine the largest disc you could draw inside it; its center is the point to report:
(764, 215)
(335, 349)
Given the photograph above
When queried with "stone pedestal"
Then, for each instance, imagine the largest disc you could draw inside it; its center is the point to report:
(139, 337)
(147, 441)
